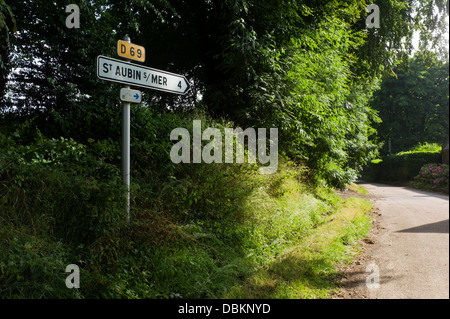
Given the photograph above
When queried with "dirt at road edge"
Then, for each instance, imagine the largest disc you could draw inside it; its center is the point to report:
(352, 278)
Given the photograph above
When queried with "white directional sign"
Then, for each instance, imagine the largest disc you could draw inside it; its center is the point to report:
(132, 96)
(132, 74)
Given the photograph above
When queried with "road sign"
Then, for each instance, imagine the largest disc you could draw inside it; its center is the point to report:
(132, 96)
(130, 51)
(110, 69)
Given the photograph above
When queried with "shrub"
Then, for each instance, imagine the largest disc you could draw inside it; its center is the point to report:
(55, 186)
(32, 267)
(403, 166)
(433, 176)
(427, 147)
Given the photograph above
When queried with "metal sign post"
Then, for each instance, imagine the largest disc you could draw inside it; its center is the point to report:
(126, 147)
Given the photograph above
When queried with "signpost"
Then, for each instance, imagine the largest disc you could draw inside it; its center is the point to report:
(110, 69)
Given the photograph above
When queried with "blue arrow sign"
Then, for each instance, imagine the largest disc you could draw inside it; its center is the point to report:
(129, 95)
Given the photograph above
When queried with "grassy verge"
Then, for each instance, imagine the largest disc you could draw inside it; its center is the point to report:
(308, 269)
(288, 244)
(358, 189)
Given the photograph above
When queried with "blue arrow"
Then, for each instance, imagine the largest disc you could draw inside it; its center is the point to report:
(136, 96)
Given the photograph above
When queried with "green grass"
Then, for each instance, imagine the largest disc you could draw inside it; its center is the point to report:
(358, 189)
(288, 245)
(308, 269)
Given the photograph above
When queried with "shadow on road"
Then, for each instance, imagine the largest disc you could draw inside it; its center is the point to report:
(438, 227)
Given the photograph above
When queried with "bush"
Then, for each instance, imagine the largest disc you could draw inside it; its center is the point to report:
(403, 166)
(427, 147)
(55, 186)
(32, 267)
(433, 176)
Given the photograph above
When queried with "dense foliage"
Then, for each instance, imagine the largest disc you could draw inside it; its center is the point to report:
(414, 104)
(308, 68)
(402, 166)
(196, 230)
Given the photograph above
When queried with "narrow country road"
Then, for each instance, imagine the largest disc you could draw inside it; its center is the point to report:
(408, 248)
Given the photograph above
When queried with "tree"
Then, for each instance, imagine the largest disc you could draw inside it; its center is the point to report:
(413, 105)
(306, 67)
(7, 23)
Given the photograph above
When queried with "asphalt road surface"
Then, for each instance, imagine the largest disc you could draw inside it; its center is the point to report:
(407, 255)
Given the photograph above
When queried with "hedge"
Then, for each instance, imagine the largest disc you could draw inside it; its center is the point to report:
(403, 166)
